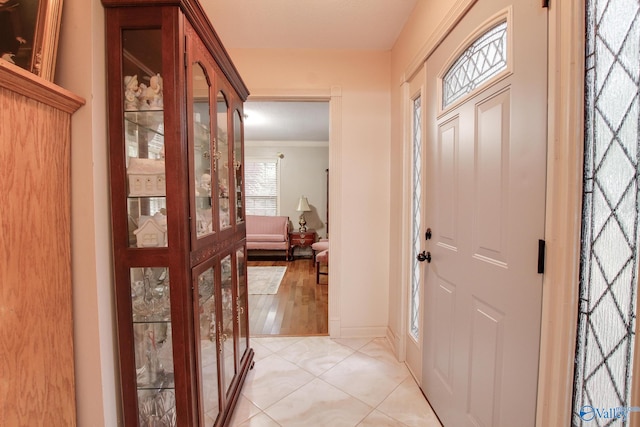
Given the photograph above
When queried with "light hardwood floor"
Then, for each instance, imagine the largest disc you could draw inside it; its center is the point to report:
(300, 308)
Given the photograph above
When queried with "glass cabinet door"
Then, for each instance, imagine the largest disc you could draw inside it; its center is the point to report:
(144, 138)
(222, 160)
(241, 302)
(228, 356)
(238, 163)
(206, 325)
(201, 150)
(153, 346)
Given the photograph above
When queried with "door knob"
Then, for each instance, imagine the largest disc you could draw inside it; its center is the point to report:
(424, 256)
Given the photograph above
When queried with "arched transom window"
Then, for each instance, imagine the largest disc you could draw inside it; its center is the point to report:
(477, 64)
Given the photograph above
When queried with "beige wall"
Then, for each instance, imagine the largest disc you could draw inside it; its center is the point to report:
(302, 173)
(406, 52)
(81, 64)
(364, 165)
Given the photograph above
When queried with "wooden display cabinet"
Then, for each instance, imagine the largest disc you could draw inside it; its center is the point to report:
(177, 197)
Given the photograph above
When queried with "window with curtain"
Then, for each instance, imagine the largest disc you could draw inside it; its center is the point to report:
(261, 187)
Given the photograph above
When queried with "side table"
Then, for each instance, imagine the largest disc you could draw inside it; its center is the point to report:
(301, 239)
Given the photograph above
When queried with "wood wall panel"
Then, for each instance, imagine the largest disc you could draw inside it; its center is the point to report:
(36, 326)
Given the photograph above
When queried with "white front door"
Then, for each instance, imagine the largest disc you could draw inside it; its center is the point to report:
(485, 203)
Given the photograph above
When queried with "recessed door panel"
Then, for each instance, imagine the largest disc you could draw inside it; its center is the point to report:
(447, 204)
(492, 179)
(444, 323)
(484, 361)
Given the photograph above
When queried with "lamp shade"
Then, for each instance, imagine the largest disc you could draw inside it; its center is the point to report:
(303, 205)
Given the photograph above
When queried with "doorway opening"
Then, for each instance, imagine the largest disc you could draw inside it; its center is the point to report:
(288, 142)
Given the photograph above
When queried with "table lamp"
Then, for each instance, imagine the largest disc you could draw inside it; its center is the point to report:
(303, 206)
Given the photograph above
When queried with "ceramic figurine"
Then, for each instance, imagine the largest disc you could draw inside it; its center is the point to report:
(224, 189)
(146, 177)
(131, 93)
(151, 234)
(154, 93)
(151, 96)
(205, 184)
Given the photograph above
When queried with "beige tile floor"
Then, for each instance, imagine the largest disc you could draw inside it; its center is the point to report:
(318, 381)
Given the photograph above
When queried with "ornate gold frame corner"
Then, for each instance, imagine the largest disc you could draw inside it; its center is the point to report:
(45, 41)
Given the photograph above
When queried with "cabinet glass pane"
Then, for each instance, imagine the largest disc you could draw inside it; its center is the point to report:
(222, 156)
(205, 289)
(144, 137)
(153, 345)
(242, 302)
(153, 351)
(228, 361)
(202, 152)
(150, 294)
(157, 408)
(238, 166)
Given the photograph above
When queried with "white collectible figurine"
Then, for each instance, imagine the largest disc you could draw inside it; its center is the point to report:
(152, 95)
(131, 92)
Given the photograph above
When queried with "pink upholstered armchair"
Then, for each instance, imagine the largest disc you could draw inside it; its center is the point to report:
(321, 256)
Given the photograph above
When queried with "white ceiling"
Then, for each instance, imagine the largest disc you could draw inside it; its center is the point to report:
(309, 24)
(286, 121)
(303, 24)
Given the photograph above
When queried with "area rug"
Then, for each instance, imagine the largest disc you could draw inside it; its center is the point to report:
(265, 280)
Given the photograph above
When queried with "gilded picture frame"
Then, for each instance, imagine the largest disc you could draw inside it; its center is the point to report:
(29, 31)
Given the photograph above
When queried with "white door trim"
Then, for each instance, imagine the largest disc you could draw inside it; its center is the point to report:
(563, 199)
(399, 340)
(564, 212)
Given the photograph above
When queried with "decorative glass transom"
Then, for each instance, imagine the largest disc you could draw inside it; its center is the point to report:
(414, 310)
(609, 256)
(485, 58)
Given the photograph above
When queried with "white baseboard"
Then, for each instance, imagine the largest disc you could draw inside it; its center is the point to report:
(334, 328)
(396, 344)
(366, 332)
